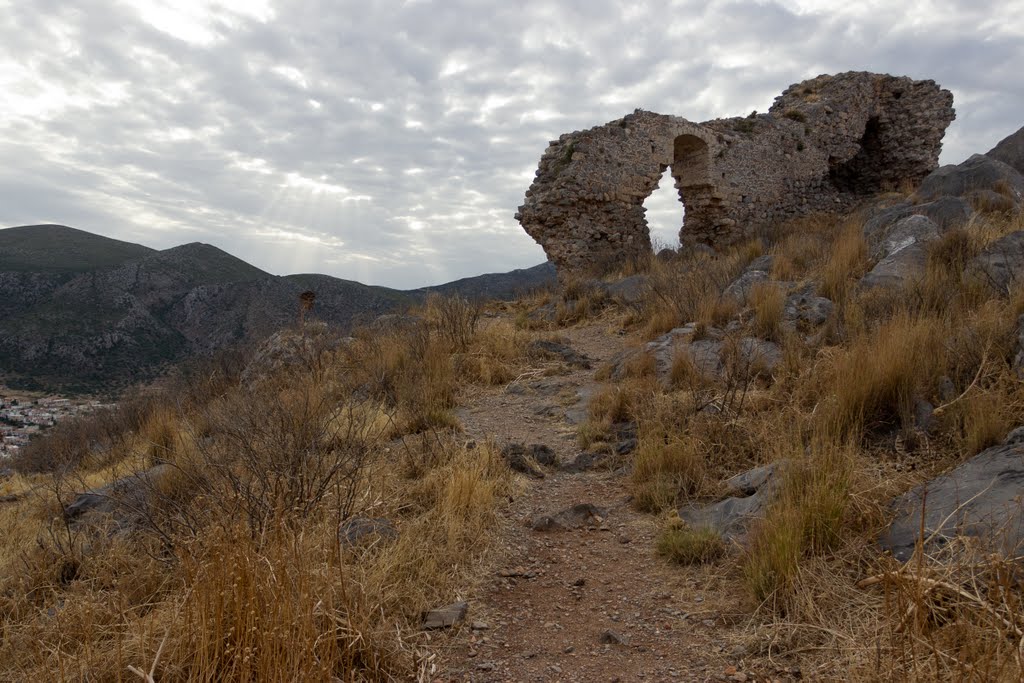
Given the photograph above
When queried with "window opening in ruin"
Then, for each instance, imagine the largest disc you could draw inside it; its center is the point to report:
(664, 213)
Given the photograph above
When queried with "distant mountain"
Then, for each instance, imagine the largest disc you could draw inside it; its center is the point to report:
(83, 312)
(60, 249)
(498, 285)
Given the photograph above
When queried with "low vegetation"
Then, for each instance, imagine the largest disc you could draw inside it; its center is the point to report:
(228, 557)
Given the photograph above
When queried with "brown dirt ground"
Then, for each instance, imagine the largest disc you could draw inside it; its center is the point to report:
(548, 597)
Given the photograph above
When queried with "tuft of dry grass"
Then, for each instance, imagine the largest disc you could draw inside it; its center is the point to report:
(687, 546)
(872, 384)
(806, 518)
(848, 260)
(768, 301)
(690, 289)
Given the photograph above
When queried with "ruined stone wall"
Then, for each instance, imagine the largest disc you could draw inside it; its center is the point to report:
(825, 144)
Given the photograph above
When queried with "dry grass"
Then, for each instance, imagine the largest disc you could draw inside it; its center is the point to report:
(806, 519)
(801, 245)
(495, 355)
(687, 546)
(235, 570)
(690, 289)
(768, 301)
(871, 385)
(847, 261)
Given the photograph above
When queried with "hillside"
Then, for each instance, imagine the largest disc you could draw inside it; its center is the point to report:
(83, 312)
(60, 249)
(746, 465)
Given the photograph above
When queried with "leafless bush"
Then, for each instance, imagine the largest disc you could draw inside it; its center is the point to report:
(455, 319)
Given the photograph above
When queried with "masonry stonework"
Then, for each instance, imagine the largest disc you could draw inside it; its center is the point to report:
(824, 145)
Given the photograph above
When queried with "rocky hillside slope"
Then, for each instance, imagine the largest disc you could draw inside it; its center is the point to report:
(81, 311)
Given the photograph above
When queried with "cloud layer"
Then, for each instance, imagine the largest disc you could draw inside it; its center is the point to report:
(391, 142)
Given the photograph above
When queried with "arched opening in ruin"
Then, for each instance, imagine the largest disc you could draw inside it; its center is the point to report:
(664, 218)
(687, 182)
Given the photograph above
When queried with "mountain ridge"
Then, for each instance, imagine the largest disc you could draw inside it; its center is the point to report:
(82, 312)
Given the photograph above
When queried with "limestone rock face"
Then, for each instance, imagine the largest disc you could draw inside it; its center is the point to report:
(1010, 150)
(980, 498)
(980, 173)
(823, 145)
(1001, 264)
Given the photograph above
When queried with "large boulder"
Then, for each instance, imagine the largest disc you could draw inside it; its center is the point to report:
(1001, 264)
(904, 267)
(1010, 150)
(979, 173)
(946, 213)
(913, 229)
(983, 498)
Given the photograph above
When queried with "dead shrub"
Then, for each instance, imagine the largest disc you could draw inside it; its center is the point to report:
(454, 318)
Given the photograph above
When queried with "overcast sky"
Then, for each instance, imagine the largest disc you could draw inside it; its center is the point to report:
(391, 142)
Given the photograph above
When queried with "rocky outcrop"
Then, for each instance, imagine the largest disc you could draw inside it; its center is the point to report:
(712, 354)
(974, 179)
(1010, 150)
(824, 144)
(1001, 264)
(730, 517)
(981, 498)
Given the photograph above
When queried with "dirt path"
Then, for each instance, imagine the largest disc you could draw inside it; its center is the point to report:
(592, 604)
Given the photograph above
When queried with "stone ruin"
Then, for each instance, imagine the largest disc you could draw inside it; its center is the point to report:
(825, 144)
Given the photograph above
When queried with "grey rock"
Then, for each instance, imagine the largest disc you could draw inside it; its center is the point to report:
(575, 517)
(981, 499)
(904, 267)
(610, 637)
(558, 350)
(445, 617)
(1015, 437)
(706, 354)
(903, 233)
(946, 212)
(626, 446)
(628, 291)
(1010, 150)
(880, 217)
(728, 518)
(739, 289)
(807, 308)
(731, 517)
(748, 483)
(759, 356)
(586, 462)
(125, 500)
(357, 530)
(924, 415)
(762, 263)
(1001, 264)
(979, 172)
(525, 459)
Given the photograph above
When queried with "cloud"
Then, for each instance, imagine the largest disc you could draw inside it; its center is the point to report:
(392, 142)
